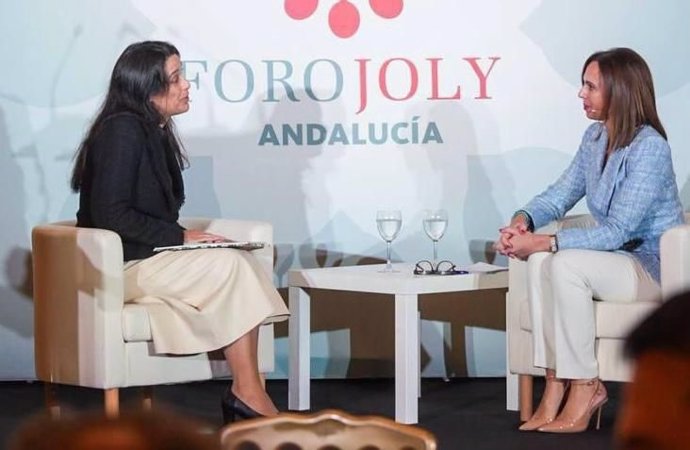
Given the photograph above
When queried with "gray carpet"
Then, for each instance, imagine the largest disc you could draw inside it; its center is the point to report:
(465, 413)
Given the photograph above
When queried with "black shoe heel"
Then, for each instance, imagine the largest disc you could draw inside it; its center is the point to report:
(235, 409)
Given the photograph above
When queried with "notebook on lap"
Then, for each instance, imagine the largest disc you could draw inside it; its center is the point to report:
(241, 245)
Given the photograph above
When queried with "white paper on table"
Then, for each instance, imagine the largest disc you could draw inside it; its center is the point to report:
(482, 267)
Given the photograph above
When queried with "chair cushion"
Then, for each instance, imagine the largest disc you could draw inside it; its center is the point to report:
(614, 320)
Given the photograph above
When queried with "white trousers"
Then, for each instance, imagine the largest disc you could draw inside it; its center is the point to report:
(562, 288)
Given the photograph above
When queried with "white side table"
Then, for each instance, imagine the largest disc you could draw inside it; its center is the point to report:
(406, 287)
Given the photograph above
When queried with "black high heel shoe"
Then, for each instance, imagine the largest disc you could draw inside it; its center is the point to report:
(235, 409)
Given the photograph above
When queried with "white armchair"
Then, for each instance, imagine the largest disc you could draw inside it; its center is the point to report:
(613, 320)
(85, 335)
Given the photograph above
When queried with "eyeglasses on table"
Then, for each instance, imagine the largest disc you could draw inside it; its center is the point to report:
(445, 267)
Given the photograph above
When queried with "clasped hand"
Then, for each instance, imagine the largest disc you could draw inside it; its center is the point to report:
(515, 241)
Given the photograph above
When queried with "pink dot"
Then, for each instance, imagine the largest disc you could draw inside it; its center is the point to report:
(388, 9)
(343, 19)
(300, 9)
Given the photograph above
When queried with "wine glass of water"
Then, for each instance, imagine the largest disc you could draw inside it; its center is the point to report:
(389, 223)
(435, 223)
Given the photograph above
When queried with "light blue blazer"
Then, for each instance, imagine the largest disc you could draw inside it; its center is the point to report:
(634, 199)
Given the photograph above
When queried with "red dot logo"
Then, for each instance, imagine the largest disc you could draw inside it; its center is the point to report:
(300, 9)
(388, 9)
(343, 17)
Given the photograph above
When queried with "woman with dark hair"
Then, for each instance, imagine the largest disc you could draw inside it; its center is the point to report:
(128, 174)
(624, 169)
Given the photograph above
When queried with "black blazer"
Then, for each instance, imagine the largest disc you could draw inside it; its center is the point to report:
(132, 185)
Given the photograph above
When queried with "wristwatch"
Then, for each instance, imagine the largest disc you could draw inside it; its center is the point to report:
(553, 244)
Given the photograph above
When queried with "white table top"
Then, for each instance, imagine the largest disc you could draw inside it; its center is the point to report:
(369, 278)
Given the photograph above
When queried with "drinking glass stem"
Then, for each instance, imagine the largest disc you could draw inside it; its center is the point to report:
(435, 252)
(389, 266)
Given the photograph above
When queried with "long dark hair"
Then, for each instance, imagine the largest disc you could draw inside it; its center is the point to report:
(139, 73)
(628, 93)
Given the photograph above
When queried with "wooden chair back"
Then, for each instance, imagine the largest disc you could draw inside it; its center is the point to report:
(327, 430)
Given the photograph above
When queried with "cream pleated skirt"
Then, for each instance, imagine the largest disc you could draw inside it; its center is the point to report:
(202, 300)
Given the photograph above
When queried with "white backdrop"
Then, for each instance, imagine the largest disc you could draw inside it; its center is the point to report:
(470, 106)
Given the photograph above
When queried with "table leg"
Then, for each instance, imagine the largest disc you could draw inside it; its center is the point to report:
(511, 384)
(299, 335)
(512, 390)
(419, 366)
(406, 358)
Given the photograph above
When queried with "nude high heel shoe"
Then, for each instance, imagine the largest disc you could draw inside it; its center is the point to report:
(542, 415)
(567, 423)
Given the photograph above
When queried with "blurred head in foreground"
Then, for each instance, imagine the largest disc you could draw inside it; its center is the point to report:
(139, 431)
(656, 408)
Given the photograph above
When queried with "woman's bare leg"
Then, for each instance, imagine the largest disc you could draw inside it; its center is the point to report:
(242, 358)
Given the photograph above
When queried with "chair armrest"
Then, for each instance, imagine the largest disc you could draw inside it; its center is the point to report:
(675, 261)
(78, 302)
(239, 230)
